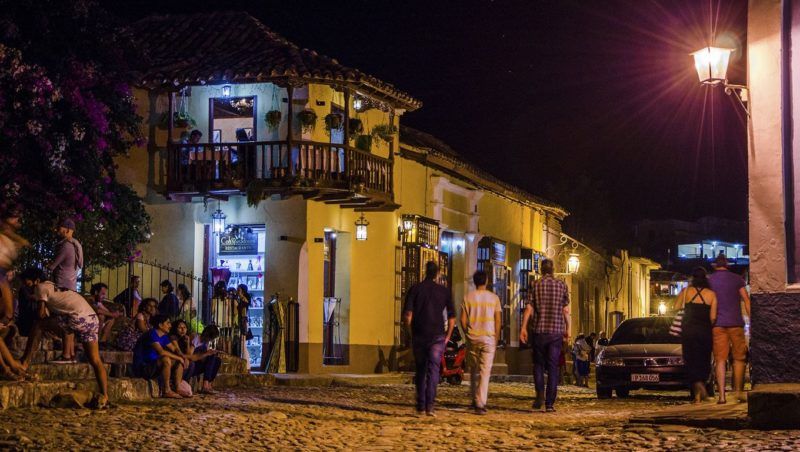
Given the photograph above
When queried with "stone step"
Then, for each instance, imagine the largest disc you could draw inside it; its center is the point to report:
(37, 393)
(774, 406)
(499, 369)
(76, 371)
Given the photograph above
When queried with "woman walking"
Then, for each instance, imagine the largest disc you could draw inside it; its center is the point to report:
(699, 304)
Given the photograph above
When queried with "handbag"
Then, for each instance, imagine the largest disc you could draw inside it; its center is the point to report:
(675, 328)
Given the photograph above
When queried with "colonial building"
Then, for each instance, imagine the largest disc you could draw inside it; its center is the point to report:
(304, 184)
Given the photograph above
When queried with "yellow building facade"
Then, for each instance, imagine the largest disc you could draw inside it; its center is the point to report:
(310, 182)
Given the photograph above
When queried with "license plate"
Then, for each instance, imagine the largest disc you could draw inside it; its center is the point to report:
(646, 378)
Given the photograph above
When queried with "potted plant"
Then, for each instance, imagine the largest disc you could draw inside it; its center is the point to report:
(385, 132)
(273, 118)
(364, 142)
(333, 121)
(179, 120)
(307, 120)
(356, 127)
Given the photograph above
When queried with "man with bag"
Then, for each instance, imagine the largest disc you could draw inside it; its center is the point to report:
(548, 302)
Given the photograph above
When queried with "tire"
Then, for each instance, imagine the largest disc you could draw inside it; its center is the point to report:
(454, 380)
(603, 392)
(622, 392)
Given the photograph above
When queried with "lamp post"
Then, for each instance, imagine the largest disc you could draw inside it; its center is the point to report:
(711, 64)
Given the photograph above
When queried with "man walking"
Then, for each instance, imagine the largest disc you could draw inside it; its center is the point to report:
(423, 312)
(549, 302)
(68, 259)
(481, 320)
(728, 332)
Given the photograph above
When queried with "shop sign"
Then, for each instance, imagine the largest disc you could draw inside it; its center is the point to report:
(246, 243)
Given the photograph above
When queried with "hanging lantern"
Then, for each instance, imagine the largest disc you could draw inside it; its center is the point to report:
(711, 64)
(226, 91)
(361, 228)
(218, 221)
(573, 263)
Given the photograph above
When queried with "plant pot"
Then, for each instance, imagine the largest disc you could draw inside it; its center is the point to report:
(179, 121)
(385, 132)
(364, 143)
(333, 121)
(273, 118)
(356, 127)
(307, 120)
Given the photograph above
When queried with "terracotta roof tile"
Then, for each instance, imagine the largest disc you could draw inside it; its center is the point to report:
(219, 47)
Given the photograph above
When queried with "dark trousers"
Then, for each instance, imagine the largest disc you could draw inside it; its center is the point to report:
(207, 367)
(546, 354)
(428, 359)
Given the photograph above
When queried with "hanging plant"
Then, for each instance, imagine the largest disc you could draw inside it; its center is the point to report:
(364, 142)
(356, 128)
(385, 132)
(333, 121)
(179, 120)
(273, 118)
(307, 120)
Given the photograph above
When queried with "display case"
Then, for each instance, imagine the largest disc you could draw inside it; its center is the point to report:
(241, 251)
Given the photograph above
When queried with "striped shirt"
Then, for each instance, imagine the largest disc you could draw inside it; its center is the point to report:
(548, 298)
(480, 306)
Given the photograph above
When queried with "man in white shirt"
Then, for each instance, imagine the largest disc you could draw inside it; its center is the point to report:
(481, 320)
(68, 312)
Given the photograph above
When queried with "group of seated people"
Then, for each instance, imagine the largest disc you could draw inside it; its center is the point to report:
(168, 341)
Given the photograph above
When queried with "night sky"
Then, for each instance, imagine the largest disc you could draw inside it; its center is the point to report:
(594, 104)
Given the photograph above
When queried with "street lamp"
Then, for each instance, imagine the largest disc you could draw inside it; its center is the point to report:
(711, 64)
(361, 228)
(573, 263)
(218, 221)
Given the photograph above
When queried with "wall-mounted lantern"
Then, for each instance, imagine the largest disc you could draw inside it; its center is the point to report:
(218, 221)
(573, 263)
(662, 308)
(711, 64)
(361, 228)
(226, 91)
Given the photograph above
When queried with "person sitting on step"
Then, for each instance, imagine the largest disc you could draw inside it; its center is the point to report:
(156, 356)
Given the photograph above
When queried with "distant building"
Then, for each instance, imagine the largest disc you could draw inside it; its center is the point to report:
(681, 245)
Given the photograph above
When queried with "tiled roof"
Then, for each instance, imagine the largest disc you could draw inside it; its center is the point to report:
(219, 47)
(461, 167)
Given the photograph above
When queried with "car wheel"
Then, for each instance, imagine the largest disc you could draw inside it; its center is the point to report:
(622, 392)
(603, 393)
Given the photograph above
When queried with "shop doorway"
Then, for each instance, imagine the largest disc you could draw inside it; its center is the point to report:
(336, 298)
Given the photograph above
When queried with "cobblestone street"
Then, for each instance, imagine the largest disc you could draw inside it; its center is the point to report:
(371, 418)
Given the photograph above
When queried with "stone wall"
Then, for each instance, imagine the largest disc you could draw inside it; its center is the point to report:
(773, 337)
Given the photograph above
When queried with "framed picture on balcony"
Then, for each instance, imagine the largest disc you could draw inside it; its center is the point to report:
(249, 132)
(216, 136)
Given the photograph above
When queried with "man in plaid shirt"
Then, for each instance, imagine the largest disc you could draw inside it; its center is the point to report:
(548, 301)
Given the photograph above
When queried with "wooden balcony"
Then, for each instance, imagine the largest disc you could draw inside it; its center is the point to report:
(334, 173)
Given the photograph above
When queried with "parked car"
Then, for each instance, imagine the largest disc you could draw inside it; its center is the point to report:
(641, 355)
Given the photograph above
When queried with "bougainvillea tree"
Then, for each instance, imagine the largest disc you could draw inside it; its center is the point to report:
(66, 111)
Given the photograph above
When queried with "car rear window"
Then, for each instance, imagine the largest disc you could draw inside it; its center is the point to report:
(652, 330)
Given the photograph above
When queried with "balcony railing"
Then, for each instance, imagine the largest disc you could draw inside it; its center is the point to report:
(203, 167)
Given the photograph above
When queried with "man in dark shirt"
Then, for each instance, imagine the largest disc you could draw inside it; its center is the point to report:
(423, 312)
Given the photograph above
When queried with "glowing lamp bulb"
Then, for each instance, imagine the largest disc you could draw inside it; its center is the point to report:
(711, 64)
(573, 263)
